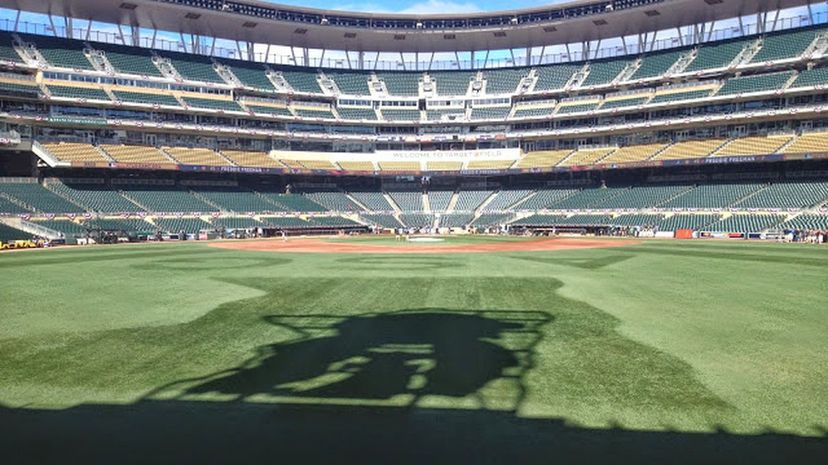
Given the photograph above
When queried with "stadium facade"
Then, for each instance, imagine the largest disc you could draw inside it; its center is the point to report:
(703, 115)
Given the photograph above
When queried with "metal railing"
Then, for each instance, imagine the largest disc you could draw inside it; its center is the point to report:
(559, 53)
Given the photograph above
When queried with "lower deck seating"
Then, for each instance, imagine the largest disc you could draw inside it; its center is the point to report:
(187, 225)
(166, 199)
(470, 200)
(506, 198)
(486, 220)
(33, 196)
(243, 222)
(417, 220)
(545, 198)
(456, 220)
(744, 223)
(408, 201)
(694, 222)
(129, 226)
(712, 196)
(236, 199)
(94, 196)
(805, 222)
(439, 201)
(10, 234)
(373, 201)
(66, 227)
(334, 201)
(294, 202)
(787, 195)
(8, 206)
(382, 220)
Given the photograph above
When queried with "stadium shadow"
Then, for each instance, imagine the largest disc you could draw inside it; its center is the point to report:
(403, 355)
(360, 389)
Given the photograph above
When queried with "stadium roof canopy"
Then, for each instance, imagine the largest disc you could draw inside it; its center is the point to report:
(268, 23)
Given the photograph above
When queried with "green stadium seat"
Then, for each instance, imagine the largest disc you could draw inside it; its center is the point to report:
(656, 64)
(604, 72)
(554, 77)
(755, 83)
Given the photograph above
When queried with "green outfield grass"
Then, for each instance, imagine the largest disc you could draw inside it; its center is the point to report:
(665, 336)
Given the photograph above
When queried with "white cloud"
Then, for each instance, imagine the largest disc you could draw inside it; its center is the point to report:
(420, 7)
(440, 6)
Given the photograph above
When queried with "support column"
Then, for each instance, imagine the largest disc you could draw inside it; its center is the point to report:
(52, 23)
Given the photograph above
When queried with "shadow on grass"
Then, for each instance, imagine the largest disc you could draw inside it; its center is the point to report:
(407, 355)
(188, 432)
(366, 389)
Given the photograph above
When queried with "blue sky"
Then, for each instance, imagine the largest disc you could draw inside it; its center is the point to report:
(420, 6)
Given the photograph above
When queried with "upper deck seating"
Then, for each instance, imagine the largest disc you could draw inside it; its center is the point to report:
(7, 51)
(250, 74)
(785, 45)
(656, 64)
(194, 67)
(401, 84)
(504, 81)
(604, 72)
(716, 55)
(450, 83)
(554, 77)
(129, 60)
(60, 52)
(350, 82)
(301, 81)
(755, 83)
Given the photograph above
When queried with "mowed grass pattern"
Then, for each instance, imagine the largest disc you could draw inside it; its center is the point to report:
(661, 336)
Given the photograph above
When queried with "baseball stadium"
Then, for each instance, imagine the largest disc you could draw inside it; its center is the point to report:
(237, 231)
